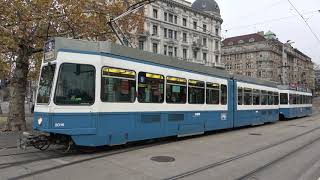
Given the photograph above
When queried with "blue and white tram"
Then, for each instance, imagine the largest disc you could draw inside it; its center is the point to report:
(294, 103)
(256, 103)
(99, 93)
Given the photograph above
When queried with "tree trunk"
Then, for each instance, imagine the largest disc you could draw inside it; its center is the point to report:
(16, 119)
(0, 107)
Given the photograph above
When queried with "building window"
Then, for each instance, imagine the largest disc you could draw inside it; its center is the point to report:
(170, 51)
(141, 45)
(165, 16)
(170, 32)
(195, 54)
(165, 49)
(217, 58)
(184, 37)
(165, 32)
(204, 55)
(118, 85)
(155, 48)
(154, 30)
(216, 45)
(175, 35)
(171, 18)
(184, 53)
(184, 22)
(195, 25)
(204, 27)
(175, 51)
(155, 13)
(150, 88)
(176, 19)
(204, 42)
(217, 31)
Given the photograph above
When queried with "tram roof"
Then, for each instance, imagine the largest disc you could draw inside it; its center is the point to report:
(101, 47)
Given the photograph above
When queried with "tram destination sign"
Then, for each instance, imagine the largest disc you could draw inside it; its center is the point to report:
(49, 50)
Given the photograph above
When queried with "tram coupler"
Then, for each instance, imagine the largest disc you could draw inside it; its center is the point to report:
(41, 142)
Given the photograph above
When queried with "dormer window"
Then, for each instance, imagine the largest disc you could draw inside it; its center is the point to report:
(241, 42)
(251, 40)
(230, 43)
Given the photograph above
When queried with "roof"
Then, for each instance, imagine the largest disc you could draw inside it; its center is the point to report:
(256, 37)
(210, 6)
(106, 47)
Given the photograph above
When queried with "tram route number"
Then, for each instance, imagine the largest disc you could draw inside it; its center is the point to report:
(58, 124)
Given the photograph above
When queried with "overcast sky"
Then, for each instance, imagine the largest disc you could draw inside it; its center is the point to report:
(250, 16)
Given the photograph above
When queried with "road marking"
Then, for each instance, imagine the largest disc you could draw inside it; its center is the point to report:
(60, 161)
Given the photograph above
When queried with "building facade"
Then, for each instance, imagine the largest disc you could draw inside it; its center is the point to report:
(261, 55)
(177, 28)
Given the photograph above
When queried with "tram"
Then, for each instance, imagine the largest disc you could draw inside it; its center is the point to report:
(100, 93)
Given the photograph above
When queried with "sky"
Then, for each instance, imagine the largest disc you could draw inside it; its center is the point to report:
(250, 16)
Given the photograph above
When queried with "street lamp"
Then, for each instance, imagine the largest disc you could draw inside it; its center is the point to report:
(284, 65)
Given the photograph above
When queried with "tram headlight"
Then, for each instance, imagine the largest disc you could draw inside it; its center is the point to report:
(39, 121)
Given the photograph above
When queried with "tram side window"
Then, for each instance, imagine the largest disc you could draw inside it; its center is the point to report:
(256, 97)
(176, 90)
(283, 98)
(247, 96)
(298, 99)
(196, 92)
(150, 88)
(75, 85)
(224, 94)
(213, 93)
(290, 98)
(301, 99)
(264, 97)
(276, 98)
(270, 98)
(118, 85)
(240, 96)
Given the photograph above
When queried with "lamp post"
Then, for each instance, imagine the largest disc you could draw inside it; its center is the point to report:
(284, 64)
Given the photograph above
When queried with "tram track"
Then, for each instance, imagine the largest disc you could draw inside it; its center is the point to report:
(243, 155)
(277, 160)
(120, 150)
(98, 156)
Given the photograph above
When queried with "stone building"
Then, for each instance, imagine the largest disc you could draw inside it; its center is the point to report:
(177, 28)
(262, 55)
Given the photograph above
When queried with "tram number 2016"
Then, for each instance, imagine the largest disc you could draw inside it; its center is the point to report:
(59, 125)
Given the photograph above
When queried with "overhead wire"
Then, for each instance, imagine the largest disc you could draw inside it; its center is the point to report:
(305, 21)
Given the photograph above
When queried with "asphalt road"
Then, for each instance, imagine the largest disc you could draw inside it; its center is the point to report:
(285, 150)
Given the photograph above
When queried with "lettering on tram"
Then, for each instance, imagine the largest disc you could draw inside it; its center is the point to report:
(75, 85)
(118, 85)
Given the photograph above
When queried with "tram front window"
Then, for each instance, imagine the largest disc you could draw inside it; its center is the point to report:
(75, 85)
(45, 84)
